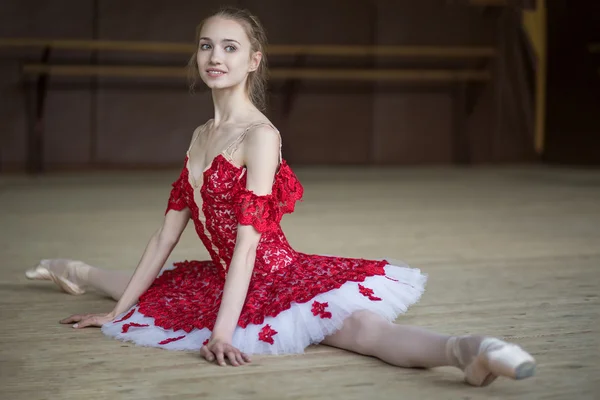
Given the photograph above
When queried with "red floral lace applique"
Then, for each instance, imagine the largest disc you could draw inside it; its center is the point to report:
(125, 317)
(186, 297)
(265, 212)
(205, 342)
(167, 341)
(319, 309)
(287, 189)
(189, 296)
(126, 327)
(177, 199)
(266, 334)
(367, 293)
(261, 212)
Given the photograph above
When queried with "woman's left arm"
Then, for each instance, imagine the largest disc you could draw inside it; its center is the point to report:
(261, 148)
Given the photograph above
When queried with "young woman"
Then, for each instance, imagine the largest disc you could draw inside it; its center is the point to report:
(257, 294)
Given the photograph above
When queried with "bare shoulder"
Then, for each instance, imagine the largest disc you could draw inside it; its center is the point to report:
(262, 143)
(263, 133)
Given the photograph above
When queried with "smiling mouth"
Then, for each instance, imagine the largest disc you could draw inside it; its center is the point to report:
(215, 72)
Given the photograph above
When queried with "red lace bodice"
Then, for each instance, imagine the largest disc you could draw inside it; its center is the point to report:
(189, 296)
(223, 202)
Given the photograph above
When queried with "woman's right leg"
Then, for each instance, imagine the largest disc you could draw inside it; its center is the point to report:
(109, 282)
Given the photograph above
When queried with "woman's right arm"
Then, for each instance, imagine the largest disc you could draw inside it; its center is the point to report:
(158, 250)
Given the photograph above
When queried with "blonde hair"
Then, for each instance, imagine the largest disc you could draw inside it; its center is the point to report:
(256, 85)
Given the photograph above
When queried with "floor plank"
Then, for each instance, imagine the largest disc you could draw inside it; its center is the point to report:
(512, 252)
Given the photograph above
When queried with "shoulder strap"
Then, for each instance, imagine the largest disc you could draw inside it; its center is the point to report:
(197, 132)
(232, 148)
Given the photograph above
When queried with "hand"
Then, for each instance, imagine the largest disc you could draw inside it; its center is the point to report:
(218, 349)
(85, 320)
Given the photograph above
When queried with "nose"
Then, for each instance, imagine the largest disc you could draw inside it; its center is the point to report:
(215, 57)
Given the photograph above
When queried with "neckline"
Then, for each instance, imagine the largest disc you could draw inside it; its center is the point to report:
(210, 166)
(207, 168)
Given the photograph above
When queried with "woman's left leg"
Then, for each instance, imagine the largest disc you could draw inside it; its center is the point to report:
(483, 359)
(404, 346)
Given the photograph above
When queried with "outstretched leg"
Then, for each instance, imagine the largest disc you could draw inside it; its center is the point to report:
(482, 359)
(75, 276)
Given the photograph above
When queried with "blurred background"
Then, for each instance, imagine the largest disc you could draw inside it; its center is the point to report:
(101, 84)
(459, 136)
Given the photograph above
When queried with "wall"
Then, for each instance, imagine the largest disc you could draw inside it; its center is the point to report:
(125, 123)
(573, 86)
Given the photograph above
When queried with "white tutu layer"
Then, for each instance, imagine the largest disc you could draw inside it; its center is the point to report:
(296, 327)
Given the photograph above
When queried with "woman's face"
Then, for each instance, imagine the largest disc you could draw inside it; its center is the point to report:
(224, 54)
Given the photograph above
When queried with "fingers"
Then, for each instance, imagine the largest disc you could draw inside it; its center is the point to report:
(240, 358)
(221, 352)
(90, 321)
(220, 356)
(232, 356)
(85, 320)
(207, 354)
(72, 318)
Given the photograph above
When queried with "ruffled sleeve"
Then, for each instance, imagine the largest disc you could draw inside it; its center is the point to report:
(177, 199)
(265, 212)
(262, 212)
(287, 189)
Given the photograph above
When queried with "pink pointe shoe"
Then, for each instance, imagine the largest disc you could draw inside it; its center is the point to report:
(42, 272)
(495, 358)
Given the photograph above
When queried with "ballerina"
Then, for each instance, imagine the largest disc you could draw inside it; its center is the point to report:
(257, 294)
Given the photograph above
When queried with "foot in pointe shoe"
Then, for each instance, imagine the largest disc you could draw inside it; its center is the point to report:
(66, 274)
(40, 272)
(492, 358)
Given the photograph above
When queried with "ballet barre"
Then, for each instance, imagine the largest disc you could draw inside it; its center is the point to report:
(432, 75)
(274, 49)
(493, 3)
(462, 78)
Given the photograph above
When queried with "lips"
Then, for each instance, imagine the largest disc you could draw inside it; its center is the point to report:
(215, 72)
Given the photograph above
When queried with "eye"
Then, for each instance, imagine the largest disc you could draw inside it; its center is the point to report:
(230, 48)
(204, 46)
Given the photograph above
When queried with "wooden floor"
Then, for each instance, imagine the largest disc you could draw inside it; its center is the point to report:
(511, 252)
